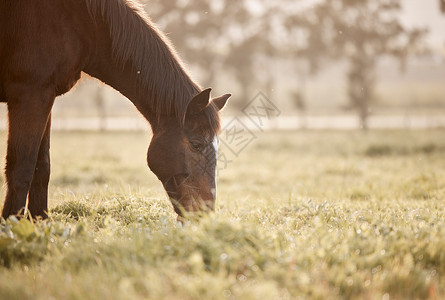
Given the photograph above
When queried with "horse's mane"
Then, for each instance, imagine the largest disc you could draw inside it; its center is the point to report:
(137, 40)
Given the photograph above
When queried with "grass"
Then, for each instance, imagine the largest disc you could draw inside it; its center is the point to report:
(308, 214)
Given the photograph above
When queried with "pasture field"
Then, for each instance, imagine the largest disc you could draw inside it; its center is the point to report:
(299, 215)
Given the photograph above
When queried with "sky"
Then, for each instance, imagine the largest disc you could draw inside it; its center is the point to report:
(426, 13)
(415, 13)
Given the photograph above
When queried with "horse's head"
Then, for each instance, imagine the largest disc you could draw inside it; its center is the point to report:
(184, 157)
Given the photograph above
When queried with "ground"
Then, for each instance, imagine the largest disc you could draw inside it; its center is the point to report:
(300, 214)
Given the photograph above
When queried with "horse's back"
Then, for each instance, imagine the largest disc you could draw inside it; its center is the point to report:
(41, 44)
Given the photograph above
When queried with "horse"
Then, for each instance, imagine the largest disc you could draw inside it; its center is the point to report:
(46, 45)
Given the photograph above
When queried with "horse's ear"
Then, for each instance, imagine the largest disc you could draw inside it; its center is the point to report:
(221, 101)
(199, 102)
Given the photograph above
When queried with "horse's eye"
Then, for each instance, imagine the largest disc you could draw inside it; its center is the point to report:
(197, 146)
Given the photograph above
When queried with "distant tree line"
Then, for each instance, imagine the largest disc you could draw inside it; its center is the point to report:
(245, 38)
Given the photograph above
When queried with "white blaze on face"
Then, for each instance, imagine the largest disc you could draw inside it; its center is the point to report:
(215, 147)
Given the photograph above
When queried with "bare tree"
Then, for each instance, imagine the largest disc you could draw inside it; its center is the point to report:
(360, 31)
(220, 36)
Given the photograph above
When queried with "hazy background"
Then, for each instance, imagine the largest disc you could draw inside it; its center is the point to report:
(327, 63)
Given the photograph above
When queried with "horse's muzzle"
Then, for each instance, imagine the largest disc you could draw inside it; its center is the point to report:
(173, 185)
(186, 196)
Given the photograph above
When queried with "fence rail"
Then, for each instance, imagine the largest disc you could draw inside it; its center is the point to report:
(347, 122)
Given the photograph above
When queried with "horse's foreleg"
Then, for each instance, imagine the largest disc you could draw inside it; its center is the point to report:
(28, 119)
(38, 192)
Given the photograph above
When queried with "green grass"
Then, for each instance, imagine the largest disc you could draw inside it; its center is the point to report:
(309, 214)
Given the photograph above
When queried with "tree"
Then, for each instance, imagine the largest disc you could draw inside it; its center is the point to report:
(218, 36)
(360, 31)
(194, 28)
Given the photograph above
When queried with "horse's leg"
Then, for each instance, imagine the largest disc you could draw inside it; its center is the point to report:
(38, 192)
(28, 117)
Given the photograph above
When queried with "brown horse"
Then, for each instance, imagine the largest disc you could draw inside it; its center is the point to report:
(44, 47)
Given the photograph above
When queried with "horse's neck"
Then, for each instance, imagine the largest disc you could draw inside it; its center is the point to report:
(157, 86)
(122, 78)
